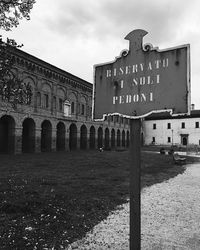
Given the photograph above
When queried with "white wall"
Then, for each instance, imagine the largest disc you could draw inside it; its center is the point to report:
(161, 133)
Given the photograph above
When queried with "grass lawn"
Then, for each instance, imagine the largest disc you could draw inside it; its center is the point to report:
(51, 199)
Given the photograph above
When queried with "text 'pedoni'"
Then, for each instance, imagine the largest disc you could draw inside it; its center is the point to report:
(134, 98)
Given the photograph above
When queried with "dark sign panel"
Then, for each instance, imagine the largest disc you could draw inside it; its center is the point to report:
(143, 80)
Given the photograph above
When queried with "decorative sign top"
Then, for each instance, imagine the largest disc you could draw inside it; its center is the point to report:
(143, 80)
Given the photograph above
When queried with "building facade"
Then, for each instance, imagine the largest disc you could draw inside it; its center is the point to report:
(59, 116)
(162, 129)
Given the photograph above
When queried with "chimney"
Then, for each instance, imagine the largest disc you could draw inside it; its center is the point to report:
(192, 106)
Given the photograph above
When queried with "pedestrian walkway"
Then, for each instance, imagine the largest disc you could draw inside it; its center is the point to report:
(170, 218)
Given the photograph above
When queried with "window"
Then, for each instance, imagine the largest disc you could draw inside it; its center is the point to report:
(169, 139)
(60, 104)
(82, 109)
(154, 126)
(153, 139)
(196, 124)
(168, 125)
(72, 108)
(67, 108)
(183, 125)
(46, 101)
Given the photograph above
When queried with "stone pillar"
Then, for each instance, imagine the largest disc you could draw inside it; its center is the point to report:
(18, 140)
(78, 138)
(67, 139)
(96, 137)
(53, 140)
(88, 137)
(38, 140)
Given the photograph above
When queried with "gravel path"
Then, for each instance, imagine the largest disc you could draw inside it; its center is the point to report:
(170, 218)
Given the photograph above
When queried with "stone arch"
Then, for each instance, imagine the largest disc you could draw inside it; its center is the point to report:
(46, 136)
(107, 138)
(72, 137)
(30, 80)
(100, 137)
(118, 138)
(123, 139)
(7, 134)
(28, 136)
(61, 92)
(60, 136)
(92, 137)
(83, 137)
(46, 87)
(127, 138)
(112, 138)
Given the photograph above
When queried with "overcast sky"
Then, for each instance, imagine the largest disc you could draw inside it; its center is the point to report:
(76, 34)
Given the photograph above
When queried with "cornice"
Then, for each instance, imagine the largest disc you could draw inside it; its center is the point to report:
(51, 72)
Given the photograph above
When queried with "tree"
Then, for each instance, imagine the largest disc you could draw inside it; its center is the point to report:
(12, 89)
(11, 11)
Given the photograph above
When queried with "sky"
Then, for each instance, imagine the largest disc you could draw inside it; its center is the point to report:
(74, 35)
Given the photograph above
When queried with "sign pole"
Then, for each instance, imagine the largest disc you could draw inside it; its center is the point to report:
(135, 153)
(135, 85)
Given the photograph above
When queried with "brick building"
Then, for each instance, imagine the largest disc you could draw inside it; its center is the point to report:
(59, 116)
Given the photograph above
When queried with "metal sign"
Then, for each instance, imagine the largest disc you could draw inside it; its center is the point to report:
(143, 80)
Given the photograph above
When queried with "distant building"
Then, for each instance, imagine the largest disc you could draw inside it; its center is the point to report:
(162, 129)
(59, 116)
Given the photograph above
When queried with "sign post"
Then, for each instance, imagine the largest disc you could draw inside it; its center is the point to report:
(141, 81)
(135, 142)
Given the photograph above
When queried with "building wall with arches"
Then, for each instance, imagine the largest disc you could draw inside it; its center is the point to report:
(59, 116)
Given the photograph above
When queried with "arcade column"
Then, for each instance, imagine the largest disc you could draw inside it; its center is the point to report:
(38, 140)
(18, 140)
